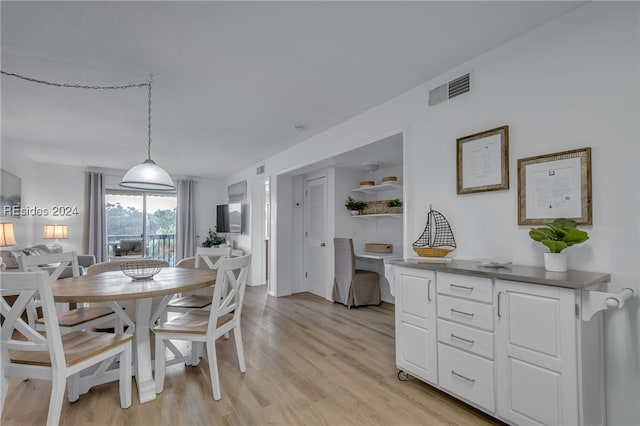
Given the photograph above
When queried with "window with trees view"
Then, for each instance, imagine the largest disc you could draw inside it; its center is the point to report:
(141, 224)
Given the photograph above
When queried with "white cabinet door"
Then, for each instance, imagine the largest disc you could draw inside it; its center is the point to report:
(416, 340)
(536, 354)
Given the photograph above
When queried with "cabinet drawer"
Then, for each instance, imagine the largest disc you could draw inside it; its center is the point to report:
(467, 338)
(466, 375)
(466, 286)
(466, 312)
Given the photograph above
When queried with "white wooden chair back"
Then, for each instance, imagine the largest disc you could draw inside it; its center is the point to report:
(27, 353)
(34, 263)
(228, 293)
(27, 286)
(203, 254)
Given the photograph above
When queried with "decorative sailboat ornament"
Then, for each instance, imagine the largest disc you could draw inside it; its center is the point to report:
(437, 238)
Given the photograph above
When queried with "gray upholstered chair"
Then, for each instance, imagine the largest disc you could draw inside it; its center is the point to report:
(351, 286)
(130, 248)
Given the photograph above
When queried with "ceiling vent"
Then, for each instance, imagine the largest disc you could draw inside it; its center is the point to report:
(450, 90)
(260, 170)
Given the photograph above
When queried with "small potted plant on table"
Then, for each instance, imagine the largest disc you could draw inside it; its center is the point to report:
(213, 239)
(355, 207)
(557, 236)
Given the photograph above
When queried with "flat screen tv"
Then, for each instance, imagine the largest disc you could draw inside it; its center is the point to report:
(229, 218)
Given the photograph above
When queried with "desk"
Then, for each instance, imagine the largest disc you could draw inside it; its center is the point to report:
(115, 286)
(380, 263)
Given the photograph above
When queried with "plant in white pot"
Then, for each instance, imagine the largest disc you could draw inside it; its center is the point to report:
(557, 236)
(355, 207)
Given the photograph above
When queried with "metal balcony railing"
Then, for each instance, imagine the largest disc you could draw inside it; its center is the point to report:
(160, 247)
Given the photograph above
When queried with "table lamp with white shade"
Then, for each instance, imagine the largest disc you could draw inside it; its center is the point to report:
(55, 232)
(7, 238)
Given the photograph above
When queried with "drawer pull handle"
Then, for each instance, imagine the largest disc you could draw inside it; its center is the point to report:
(499, 314)
(467, 341)
(466, 314)
(472, 381)
(429, 291)
(461, 287)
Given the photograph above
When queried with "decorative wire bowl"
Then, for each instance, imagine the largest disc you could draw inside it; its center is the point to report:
(139, 270)
(431, 251)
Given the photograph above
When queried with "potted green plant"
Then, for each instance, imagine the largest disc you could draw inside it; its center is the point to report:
(557, 236)
(395, 206)
(355, 207)
(213, 239)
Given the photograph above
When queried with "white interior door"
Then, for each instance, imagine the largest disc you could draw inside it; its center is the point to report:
(315, 234)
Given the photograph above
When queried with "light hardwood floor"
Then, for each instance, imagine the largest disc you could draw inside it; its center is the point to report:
(309, 362)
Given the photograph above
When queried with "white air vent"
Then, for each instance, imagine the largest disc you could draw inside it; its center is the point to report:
(260, 170)
(450, 90)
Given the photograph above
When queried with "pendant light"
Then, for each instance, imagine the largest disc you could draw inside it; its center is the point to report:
(148, 176)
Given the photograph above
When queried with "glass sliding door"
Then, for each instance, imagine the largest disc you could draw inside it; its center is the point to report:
(161, 226)
(141, 224)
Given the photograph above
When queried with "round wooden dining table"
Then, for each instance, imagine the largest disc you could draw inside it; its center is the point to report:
(115, 286)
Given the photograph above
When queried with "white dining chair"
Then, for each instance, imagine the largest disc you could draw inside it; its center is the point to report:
(51, 355)
(203, 259)
(205, 327)
(80, 318)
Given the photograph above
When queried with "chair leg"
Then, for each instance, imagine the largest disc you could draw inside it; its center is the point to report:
(4, 387)
(237, 334)
(196, 353)
(73, 387)
(55, 402)
(213, 368)
(160, 363)
(125, 377)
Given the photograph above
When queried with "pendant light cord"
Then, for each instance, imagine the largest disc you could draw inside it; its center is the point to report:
(149, 144)
(75, 86)
(80, 86)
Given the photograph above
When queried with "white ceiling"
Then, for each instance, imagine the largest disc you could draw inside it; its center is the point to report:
(231, 79)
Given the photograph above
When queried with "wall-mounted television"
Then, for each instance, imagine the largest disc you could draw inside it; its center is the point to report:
(229, 218)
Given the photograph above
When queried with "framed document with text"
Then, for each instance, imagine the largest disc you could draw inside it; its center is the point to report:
(483, 161)
(553, 186)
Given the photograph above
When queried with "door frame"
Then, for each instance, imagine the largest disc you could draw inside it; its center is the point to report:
(328, 175)
(258, 251)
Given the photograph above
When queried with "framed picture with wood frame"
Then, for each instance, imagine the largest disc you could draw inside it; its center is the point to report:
(483, 161)
(10, 195)
(554, 186)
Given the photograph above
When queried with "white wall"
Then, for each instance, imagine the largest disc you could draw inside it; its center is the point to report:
(572, 83)
(13, 161)
(48, 185)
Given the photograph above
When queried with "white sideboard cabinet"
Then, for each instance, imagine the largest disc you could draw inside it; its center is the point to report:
(512, 342)
(416, 350)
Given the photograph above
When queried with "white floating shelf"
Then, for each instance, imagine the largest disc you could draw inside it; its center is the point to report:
(378, 215)
(377, 188)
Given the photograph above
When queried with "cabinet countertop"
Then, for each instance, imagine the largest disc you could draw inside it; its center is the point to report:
(579, 280)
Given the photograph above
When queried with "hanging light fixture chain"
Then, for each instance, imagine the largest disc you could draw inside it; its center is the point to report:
(73, 86)
(135, 178)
